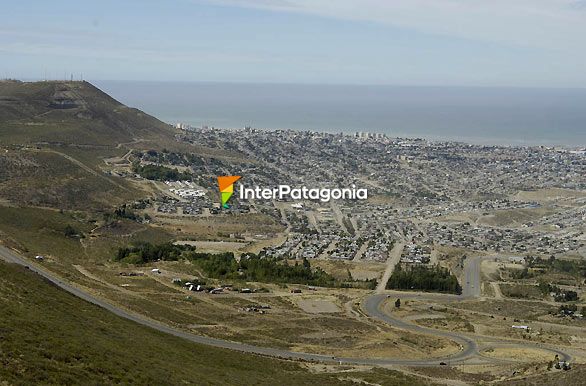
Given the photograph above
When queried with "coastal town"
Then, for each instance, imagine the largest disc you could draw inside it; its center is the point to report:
(353, 248)
(293, 192)
(421, 192)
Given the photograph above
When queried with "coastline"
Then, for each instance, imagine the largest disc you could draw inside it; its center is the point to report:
(481, 116)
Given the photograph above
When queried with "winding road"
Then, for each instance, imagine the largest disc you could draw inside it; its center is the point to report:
(372, 305)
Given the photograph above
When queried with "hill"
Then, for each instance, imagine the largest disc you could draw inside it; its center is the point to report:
(55, 136)
(71, 113)
(48, 336)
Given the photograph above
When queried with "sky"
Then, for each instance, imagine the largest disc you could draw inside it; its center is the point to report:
(519, 43)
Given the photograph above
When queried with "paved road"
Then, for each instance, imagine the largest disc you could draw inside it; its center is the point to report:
(12, 257)
(372, 305)
(392, 261)
(471, 289)
(471, 284)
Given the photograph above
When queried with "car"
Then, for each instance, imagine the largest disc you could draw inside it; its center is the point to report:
(443, 364)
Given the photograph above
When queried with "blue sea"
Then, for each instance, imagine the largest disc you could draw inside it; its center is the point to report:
(481, 115)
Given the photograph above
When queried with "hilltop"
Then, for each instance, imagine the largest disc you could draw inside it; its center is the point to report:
(56, 135)
(56, 138)
(61, 112)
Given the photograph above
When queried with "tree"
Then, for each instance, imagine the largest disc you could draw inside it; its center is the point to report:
(70, 232)
(424, 278)
(397, 303)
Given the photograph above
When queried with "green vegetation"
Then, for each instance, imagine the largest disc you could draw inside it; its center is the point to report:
(72, 233)
(520, 274)
(263, 269)
(36, 231)
(566, 296)
(167, 157)
(42, 231)
(50, 337)
(522, 291)
(559, 294)
(224, 266)
(48, 179)
(572, 267)
(160, 173)
(434, 279)
(143, 252)
(569, 308)
(539, 291)
(128, 212)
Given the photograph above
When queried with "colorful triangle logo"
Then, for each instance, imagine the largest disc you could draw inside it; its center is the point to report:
(226, 185)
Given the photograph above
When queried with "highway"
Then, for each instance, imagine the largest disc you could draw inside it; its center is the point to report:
(372, 305)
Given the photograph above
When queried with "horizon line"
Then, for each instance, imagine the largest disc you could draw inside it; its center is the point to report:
(326, 84)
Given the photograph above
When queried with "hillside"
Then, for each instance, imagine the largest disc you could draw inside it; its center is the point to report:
(55, 137)
(47, 336)
(71, 113)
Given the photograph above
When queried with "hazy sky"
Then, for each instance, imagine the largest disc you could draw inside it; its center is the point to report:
(419, 42)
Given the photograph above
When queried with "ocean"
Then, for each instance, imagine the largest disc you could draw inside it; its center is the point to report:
(480, 115)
